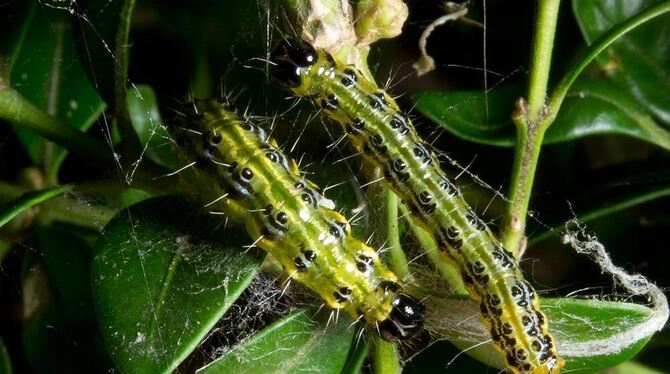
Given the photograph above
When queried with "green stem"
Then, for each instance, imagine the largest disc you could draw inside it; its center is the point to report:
(528, 121)
(15, 108)
(356, 358)
(28, 200)
(396, 256)
(595, 49)
(610, 207)
(385, 358)
(543, 44)
(131, 146)
(427, 243)
(533, 119)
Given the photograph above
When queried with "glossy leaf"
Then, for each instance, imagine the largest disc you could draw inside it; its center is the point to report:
(632, 367)
(47, 72)
(482, 117)
(103, 45)
(163, 275)
(592, 107)
(591, 335)
(638, 61)
(293, 344)
(61, 334)
(147, 121)
(26, 201)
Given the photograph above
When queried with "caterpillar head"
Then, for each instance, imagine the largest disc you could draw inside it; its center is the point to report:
(289, 59)
(405, 320)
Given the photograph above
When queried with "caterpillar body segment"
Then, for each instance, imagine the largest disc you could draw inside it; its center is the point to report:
(377, 128)
(246, 175)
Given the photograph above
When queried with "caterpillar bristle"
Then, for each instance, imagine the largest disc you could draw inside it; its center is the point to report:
(245, 175)
(386, 137)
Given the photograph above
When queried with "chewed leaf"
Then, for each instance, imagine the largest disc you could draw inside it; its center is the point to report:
(163, 275)
(592, 107)
(293, 344)
(591, 335)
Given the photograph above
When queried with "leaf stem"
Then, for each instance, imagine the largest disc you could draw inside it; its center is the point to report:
(396, 256)
(385, 359)
(532, 119)
(543, 45)
(529, 131)
(12, 208)
(15, 108)
(428, 245)
(130, 146)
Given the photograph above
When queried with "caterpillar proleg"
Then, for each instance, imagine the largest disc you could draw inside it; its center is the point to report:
(246, 175)
(375, 126)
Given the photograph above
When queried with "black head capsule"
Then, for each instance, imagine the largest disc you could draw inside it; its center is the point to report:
(288, 57)
(405, 320)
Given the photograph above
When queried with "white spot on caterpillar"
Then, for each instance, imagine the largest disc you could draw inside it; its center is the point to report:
(304, 215)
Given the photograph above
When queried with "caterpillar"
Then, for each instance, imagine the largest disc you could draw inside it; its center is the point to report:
(376, 127)
(250, 179)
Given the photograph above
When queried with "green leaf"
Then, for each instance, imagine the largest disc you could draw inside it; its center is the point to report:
(599, 107)
(46, 72)
(482, 117)
(592, 107)
(5, 362)
(147, 121)
(591, 335)
(638, 61)
(632, 367)
(61, 334)
(105, 43)
(293, 344)
(385, 357)
(29, 199)
(163, 275)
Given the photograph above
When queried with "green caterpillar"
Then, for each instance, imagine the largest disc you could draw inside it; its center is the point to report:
(251, 180)
(376, 127)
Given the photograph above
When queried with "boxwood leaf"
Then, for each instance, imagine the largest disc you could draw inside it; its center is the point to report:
(47, 72)
(591, 107)
(146, 119)
(163, 275)
(638, 61)
(591, 335)
(293, 344)
(60, 333)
